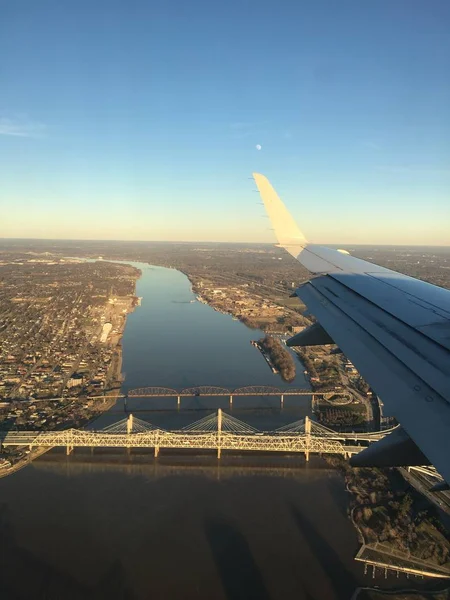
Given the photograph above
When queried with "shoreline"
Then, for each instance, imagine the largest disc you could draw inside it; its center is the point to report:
(253, 322)
(258, 346)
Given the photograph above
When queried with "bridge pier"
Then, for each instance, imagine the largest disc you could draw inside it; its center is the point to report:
(231, 401)
(156, 451)
(282, 401)
(178, 402)
(219, 432)
(130, 424)
(69, 450)
(308, 437)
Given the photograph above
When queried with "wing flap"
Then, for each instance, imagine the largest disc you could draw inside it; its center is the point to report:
(395, 450)
(424, 415)
(423, 356)
(389, 293)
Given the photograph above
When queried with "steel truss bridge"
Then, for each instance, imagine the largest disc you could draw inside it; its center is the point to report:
(208, 391)
(216, 391)
(218, 431)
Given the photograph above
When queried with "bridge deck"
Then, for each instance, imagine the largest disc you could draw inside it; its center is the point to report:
(217, 431)
(164, 439)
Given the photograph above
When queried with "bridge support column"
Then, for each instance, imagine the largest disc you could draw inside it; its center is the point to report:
(178, 402)
(313, 401)
(219, 432)
(231, 401)
(125, 400)
(130, 424)
(282, 401)
(307, 437)
(156, 451)
(69, 450)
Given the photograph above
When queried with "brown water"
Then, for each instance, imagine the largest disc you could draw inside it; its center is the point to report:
(114, 526)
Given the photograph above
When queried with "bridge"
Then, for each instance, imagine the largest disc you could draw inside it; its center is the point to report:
(207, 391)
(217, 391)
(218, 431)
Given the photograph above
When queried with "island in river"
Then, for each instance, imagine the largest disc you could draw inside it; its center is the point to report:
(279, 357)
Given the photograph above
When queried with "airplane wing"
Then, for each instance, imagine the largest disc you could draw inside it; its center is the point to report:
(396, 331)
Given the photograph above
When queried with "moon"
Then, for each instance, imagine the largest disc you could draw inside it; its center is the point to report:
(258, 146)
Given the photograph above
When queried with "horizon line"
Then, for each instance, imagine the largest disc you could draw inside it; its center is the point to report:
(217, 242)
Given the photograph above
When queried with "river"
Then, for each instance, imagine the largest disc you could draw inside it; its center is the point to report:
(125, 525)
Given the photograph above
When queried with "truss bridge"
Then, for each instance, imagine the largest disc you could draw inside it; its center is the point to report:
(210, 391)
(218, 431)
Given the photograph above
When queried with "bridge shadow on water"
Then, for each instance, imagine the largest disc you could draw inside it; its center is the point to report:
(240, 576)
(242, 579)
(342, 583)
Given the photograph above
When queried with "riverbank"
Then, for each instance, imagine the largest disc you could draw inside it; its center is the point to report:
(258, 346)
(20, 464)
(393, 520)
(242, 302)
(34, 453)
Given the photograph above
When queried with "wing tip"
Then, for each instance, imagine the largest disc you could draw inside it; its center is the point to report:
(259, 177)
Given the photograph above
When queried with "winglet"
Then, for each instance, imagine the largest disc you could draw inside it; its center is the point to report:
(287, 232)
(317, 259)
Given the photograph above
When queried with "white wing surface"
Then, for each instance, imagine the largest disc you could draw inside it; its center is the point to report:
(396, 331)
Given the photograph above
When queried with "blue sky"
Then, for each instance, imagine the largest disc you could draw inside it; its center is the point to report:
(140, 119)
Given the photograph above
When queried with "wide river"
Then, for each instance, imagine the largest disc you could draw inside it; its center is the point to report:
(119, 525)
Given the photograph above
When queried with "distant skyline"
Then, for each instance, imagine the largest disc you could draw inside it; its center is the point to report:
(144, 120)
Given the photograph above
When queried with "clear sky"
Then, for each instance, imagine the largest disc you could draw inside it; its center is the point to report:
(139, 119)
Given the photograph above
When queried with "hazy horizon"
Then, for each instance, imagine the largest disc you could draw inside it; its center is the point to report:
(206, 242)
